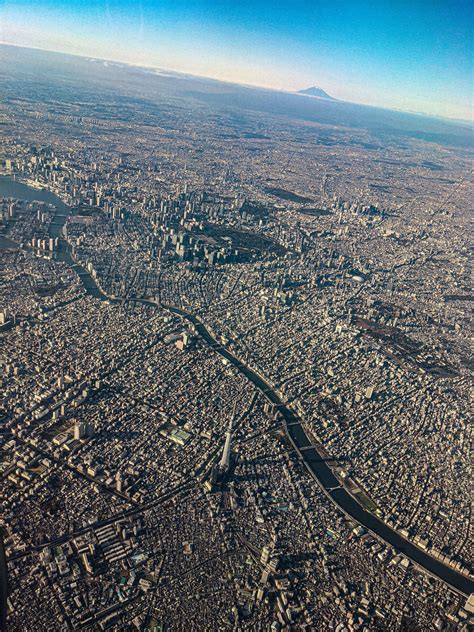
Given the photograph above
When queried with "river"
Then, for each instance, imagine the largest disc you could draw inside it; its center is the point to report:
(315, 464)
(323, 474)
(16, 189)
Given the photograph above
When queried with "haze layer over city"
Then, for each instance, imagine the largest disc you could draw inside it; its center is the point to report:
(236, 348)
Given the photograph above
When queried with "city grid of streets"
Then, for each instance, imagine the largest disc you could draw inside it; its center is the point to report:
(171, 263)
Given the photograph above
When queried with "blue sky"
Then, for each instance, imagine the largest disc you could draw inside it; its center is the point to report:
(407, 54)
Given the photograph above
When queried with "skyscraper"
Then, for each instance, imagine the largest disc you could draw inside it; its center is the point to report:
(225, 460)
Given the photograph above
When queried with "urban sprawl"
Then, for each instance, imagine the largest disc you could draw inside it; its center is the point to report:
(215, 329)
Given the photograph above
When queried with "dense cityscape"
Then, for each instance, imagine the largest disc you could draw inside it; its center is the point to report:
(236, 359)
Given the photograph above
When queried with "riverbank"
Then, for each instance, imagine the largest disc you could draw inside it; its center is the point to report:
(314, 462)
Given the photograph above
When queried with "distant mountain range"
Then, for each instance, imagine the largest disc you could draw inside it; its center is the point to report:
(316, 92)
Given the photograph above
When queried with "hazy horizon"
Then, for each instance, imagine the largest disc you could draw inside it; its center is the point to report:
(160, 70)
(416, 59)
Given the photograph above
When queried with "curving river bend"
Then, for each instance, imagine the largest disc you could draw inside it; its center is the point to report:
(316, 465)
